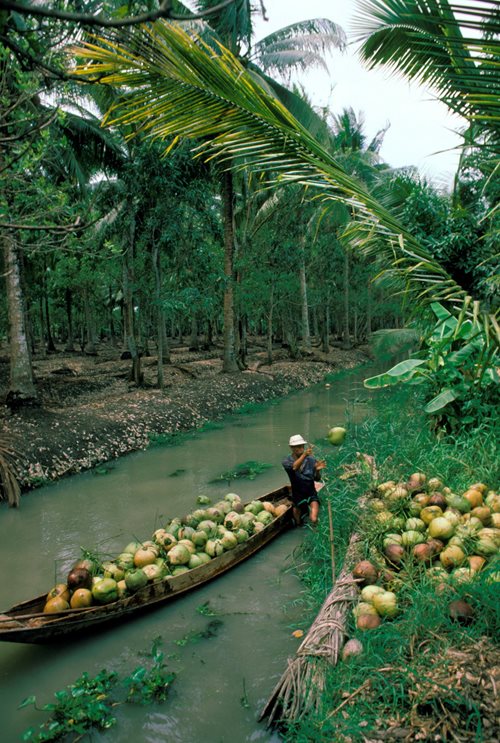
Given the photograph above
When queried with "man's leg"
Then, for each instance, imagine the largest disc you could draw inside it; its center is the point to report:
(297, 515)
(314, 511)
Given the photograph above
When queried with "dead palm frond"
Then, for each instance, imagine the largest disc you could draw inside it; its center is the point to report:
(175, 85)
(9, 485)
(301, 686)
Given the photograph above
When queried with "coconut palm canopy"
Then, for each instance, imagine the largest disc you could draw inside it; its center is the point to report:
(175, 85)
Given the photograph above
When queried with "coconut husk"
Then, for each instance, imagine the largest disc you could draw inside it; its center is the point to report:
(300, 688)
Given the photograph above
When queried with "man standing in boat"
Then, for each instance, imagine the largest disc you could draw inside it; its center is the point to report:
(304, 472)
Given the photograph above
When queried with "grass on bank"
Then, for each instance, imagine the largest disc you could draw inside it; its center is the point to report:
(409, 678)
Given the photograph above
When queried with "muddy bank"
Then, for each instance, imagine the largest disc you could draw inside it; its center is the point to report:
(90, 416)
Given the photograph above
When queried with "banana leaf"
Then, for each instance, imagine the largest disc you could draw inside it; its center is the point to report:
(441, 401)
(402, 372)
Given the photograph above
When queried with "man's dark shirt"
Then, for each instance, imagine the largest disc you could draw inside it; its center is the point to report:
(302, 479)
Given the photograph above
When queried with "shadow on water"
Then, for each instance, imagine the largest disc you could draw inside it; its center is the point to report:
(223, 679)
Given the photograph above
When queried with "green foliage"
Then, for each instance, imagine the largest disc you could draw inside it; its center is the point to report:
(88, 703)
(458, 230)
(457, 368)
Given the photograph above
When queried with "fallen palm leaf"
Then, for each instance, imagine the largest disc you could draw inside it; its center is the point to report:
(300, 688)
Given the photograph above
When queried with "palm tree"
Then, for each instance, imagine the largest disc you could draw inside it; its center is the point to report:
(177, 86)
(360, 159)
(299, 46)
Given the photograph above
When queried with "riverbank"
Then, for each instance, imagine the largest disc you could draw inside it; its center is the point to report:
(89, 415)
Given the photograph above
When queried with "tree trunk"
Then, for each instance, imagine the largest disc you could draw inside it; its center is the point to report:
(51, 348)
(194, 338)
(290, 339)
(306, 333)
(209, 337)
(346, 341)
(135, 376)
(369, 311)
(160, 322)
(90, 346)
(270, 327)
(229, 363)
(22, 389)
(68, 302)
(41, 317)
(326, 327)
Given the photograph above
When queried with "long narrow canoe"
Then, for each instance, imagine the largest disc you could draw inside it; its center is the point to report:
(26, 622)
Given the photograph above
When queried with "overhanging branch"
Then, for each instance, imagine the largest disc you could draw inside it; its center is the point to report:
(85, 19)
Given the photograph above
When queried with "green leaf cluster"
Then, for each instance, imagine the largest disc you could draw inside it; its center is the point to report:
(88, 704)
(457, 366)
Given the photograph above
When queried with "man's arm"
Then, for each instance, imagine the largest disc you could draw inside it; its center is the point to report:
(300, 460)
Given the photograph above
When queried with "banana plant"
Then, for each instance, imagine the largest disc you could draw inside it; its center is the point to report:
(457, 364)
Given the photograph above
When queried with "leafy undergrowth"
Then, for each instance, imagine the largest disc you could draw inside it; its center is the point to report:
(421, 675)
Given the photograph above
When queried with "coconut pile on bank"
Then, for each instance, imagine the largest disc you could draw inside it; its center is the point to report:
(421, 530)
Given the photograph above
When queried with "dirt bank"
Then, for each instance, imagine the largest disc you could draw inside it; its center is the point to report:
(89, 415)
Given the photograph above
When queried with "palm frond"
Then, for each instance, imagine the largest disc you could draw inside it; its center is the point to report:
(299, 46)
(174, 85)
(437, 43)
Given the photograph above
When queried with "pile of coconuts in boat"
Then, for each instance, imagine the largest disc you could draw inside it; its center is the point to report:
(181, 545)
(449, 537)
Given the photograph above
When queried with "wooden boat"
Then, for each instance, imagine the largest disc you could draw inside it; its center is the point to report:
(26, 622)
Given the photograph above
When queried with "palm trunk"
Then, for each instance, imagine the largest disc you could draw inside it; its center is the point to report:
(194, 339)
(229, 355)
(68, 301)
(270, 327)
(136, 376)
(346, 341)
(306, 333)
(369, 311)
(22, 389)
(160, 320)
(90, 346)
(326, 326)
(51, 348)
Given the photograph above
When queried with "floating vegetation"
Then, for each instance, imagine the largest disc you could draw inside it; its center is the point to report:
(205, 610)
(102, 470)
(247, 470)
(177, 472)
(212, 426)
(170, 439)
(88, 704)
(211, 630)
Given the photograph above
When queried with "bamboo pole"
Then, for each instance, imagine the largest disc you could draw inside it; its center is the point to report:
(332, 543)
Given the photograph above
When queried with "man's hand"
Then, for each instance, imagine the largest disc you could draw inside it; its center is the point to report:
(321, 464)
